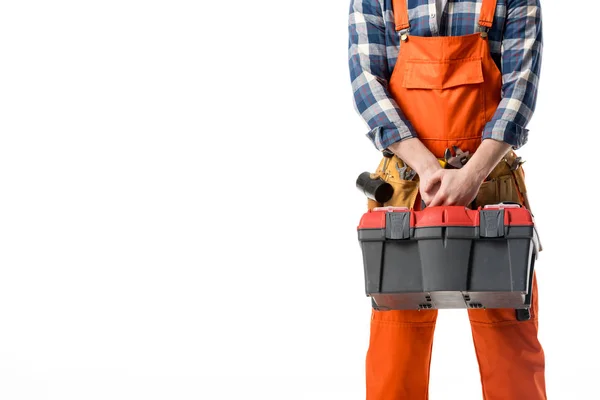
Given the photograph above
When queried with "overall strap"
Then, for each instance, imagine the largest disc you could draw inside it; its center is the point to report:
(486, 16)
(400, 8)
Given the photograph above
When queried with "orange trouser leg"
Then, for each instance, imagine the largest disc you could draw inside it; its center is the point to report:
(510, 357)
(399, 355)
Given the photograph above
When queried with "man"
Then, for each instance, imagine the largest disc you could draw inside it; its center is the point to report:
(428, 75)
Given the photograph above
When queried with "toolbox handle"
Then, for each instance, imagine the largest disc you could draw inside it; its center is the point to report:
(504, 204)
(392, 209)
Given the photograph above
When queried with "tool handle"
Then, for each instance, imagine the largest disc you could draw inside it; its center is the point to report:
(375, 189)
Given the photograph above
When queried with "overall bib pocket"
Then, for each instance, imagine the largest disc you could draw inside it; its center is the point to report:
(450, 89)
(442, 75)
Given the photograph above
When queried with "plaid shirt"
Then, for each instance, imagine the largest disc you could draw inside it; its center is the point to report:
(515, 43)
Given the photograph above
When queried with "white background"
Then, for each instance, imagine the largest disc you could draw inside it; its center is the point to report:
(178, 210)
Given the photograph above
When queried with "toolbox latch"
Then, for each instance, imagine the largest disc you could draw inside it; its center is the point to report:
(491, 223)
(397, 225)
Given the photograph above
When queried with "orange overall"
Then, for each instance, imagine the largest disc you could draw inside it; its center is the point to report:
(448, 88)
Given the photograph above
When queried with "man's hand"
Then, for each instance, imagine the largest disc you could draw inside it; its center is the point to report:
(456, 187)
(459, 187)
(440, 186)
(414, 153)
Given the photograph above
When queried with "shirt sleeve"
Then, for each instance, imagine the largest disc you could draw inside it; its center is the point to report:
(521, 63)
(370, 73)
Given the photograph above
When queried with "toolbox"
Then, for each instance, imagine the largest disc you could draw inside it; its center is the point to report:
(449, 257)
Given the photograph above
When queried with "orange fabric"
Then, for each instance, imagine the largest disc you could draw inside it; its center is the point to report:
(510, 356)
(427, 75)
(400, 14)
(449, 87)
(511, 359)
(486, 15)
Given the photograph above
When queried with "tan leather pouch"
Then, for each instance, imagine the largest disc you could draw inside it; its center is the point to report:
(504, 184)
(497, 190)
(405, 191)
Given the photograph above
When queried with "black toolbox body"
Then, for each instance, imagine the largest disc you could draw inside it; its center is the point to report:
(448, 257)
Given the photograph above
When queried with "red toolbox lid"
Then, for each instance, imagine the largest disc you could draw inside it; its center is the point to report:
(446, 216)
(375, 219)
(514, 214)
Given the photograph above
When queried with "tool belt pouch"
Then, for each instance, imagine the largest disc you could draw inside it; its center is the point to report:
(506, 183)
(405, 191)
(496, 190)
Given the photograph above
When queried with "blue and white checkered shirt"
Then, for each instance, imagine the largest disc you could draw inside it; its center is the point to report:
(515, 42)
